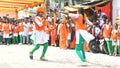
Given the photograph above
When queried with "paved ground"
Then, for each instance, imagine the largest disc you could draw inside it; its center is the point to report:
(17, 56)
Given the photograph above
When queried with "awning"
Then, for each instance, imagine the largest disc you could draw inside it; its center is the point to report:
(89, 8)
(70, 8)
(16, 5)
(86, 5)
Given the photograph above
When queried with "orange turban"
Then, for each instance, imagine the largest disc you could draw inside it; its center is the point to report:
(41, 9)
(64, 21)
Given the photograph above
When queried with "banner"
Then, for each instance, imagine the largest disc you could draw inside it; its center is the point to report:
(107, 9)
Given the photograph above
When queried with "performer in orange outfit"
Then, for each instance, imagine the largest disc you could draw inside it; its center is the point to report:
(107, 28)
(6, 31)
(41, 38)
(81, 34)
(63, 33)
(53, 35)
(54, 31)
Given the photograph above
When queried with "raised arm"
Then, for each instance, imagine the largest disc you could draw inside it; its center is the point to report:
(73, 15)
(88, 22)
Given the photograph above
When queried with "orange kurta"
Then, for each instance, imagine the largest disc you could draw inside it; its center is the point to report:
(107, 32)
(53, 35)
(114, 34)
(37, 27)
(21, 27)
(6, 28)
(15, 29)
(63, 34)
(79, 24)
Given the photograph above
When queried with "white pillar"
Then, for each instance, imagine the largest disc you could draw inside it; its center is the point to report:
(115, 10)
(52, 4)
(70, 2)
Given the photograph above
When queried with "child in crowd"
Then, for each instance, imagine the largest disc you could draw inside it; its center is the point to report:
(116, 40)
(15, 33)
(107, 28)
(6, 32)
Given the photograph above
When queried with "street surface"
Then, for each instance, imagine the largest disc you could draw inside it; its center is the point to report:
(17, 56)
